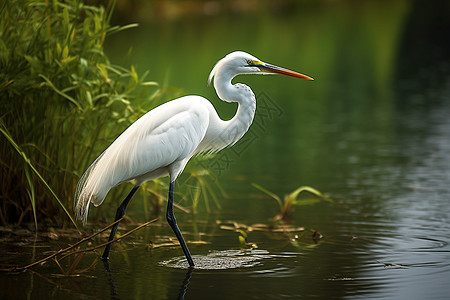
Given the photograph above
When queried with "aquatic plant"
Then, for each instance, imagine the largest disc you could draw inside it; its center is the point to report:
(292, 199)
(61, 101)
(202, 182)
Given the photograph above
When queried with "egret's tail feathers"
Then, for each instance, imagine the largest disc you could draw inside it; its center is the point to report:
(89, 189)
(111, 168)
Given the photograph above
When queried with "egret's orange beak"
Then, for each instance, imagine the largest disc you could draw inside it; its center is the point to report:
(278, 70)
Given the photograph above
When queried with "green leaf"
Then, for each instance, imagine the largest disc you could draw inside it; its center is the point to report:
(311, 190)
(274, 196)
(35, 63)
(243, 234)
(280, 203)
(134, 75)
(50, 84)
(65, 52)
(149, 83)
(89, 98)
(66, 16)
(306, 201)
(31, 194)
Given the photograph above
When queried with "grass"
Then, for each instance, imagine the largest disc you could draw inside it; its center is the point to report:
(62, 102)
(202, 182)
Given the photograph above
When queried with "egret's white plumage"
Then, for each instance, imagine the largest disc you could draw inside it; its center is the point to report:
(159, 143)
(163, 140)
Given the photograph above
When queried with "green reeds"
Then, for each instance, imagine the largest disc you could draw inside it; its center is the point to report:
(202, 182)
(61, 103)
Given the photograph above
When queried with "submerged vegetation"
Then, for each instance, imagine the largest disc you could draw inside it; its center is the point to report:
(61, 102)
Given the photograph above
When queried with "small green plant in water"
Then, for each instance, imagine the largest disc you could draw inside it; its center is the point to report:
(202, 182)
(286, 204)
(243, 240)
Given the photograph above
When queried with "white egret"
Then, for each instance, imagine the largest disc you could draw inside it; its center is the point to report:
(163, 140)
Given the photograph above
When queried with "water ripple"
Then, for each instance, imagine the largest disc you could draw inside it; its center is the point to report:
(221, 260)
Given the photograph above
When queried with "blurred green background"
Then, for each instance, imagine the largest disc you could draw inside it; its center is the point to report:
(371, 132)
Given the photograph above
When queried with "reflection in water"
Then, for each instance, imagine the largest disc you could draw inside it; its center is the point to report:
(115, 295)
(112, 285)
(185, 284)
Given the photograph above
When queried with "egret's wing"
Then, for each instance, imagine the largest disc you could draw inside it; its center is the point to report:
(173, 141)
(165, 135)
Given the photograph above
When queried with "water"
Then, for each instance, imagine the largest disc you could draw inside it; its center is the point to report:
(372, 132)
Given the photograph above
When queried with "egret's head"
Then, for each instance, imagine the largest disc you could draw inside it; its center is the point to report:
(240, 62)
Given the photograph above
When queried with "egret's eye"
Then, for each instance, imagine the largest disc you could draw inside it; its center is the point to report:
(250, 62)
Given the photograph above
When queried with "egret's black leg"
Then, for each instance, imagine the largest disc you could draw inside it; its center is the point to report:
(119, 214)
(173, 223)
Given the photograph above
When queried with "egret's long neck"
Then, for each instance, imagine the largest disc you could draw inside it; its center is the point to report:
(235, 128)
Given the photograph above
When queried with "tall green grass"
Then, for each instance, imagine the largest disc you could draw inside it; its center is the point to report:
(61, 102)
